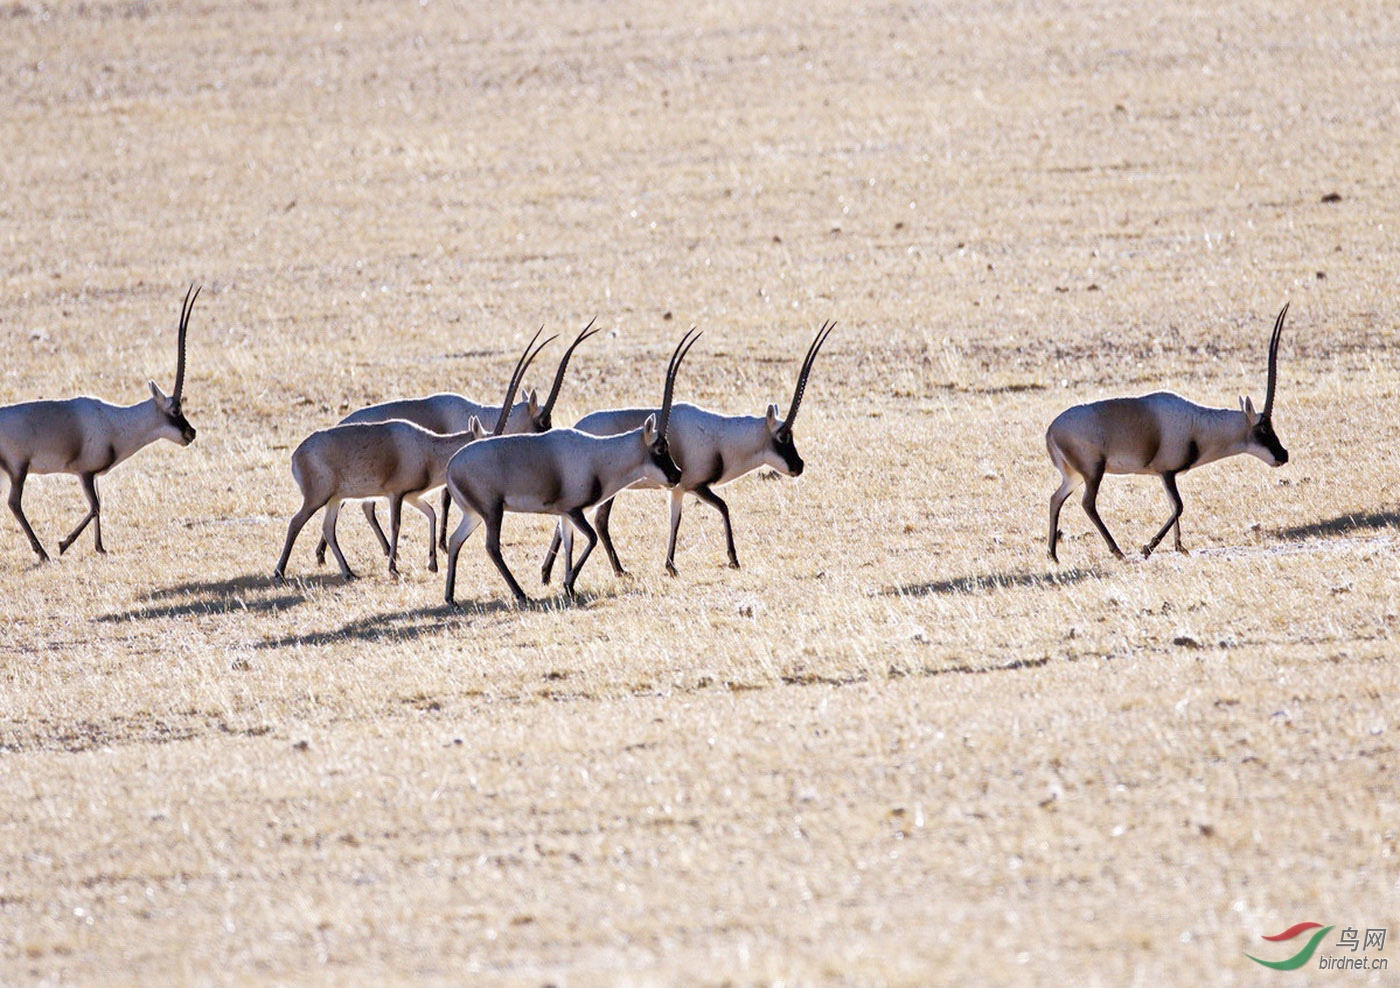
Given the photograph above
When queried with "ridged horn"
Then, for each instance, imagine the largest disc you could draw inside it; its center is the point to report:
(817, 342)
(520, 367)
(1273, 364)
(185, 309)
(663, 420)
(563, 364)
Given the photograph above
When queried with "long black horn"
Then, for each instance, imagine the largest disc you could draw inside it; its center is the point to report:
(185, 309)
(1273, 364)
(520, 366)
(817, 342)
(663, 420)
(563, 364)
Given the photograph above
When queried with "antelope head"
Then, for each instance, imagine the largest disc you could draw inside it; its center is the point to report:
(1262, 441)
(180, 429)
(782, 449)
(654, 429)
(541, 416)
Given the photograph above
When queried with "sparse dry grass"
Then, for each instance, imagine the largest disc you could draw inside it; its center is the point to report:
(898, 746)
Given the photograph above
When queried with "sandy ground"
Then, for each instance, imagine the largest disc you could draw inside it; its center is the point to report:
(898, 746)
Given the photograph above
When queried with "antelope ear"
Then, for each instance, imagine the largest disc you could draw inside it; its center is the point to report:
(475, 427)
(159, 395)
(532, 397)
(1251, 416)
(649, 430)
(773, 422)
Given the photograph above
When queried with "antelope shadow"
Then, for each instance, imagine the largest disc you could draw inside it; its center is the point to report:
(251, 592)
(1367, 521)
(403, 626)
(989, 582)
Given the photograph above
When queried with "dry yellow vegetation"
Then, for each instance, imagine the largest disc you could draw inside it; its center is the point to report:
(899, 746)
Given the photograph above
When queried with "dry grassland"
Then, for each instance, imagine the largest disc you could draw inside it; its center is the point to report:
(899, 746)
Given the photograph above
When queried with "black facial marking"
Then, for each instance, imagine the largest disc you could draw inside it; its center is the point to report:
(177, 419)
(787, 449)
(1264, 435)
(661, 456)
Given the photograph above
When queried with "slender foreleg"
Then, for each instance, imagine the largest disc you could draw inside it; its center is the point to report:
(17, 477)
(602, 519)
(566, 539)
(1057, 500)
(551, 553)
(581, 523)
(372, 517)
(427, 509)
(704, 493)
(446, 503)
(491, 518)
(470, 519)
(1091, 497)
(94, 515)
(328, 533)
(677, 495)
(308, 508)
(395, 522)
(1169, 482)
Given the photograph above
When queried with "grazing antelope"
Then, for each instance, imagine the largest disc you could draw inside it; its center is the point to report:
(711, 450)
(448, 413)
(1162, 434)
(560, 472)
(87, 437)
(395, 459)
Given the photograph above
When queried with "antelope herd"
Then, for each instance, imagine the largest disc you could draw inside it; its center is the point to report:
(403, 449)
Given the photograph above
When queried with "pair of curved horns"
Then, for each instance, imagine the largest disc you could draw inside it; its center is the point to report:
(563, 364)
(817, 342)
(520, 367)
(185, 309)
(682, 348)
(1273, 364)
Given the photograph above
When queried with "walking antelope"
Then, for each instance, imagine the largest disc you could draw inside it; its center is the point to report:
(449, 413)
(711, 450)
(87, 437)
(395, 459)
(560, 472)
(1161, 434)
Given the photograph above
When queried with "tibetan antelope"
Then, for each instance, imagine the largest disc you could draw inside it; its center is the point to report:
(560, 472)
(87, 437)
(711, 450)
(447, 413)
(1162, 434)
(395, 459)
